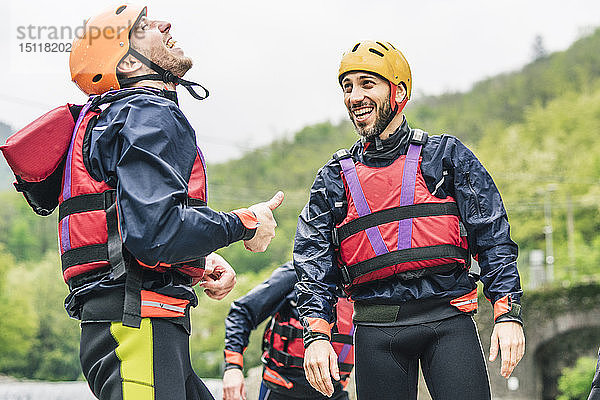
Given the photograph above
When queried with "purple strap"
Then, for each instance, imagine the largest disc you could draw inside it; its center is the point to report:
(346, 348)
(66, 192)
(407, 194)
(361, 205)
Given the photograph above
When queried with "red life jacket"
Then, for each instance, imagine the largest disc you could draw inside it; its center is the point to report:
(394, 225)
(88, 228)
(283, 343)
(87, 209)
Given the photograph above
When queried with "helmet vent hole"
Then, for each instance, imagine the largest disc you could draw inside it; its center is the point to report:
(392, 46)
(381, 44)
(97, 78)
(380, 54)
(120, 9)
(355, 47)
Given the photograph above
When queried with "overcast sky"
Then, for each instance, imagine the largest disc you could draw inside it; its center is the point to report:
(271, 65)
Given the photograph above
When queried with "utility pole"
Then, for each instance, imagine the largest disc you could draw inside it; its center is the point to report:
(548, 233)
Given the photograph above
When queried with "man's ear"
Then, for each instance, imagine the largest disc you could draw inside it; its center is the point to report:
(129, 65)
(400, 92)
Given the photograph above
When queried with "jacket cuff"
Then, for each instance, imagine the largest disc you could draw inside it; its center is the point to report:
(233, 358)
(248, 220)
(505, 309)
(310, 337)
(318, 325)
(232, 366)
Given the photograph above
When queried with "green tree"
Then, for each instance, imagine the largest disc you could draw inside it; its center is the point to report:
(575, 382)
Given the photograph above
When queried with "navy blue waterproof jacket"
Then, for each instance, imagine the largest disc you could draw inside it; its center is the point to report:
(275, 295)
(145, 147)
(449, 168)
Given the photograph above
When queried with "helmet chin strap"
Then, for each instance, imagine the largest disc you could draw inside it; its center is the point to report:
(398, 107)
(163, 75)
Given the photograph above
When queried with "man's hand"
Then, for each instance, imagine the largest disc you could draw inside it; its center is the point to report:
(509, 335)
(233, 385)
(320, 364)
(219, 277)
(266, 228)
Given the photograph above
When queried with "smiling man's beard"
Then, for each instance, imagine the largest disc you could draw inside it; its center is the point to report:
(177, 65)
(382, 120)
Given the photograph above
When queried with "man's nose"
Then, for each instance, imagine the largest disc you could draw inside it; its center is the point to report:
(164, 26)
(356, 95)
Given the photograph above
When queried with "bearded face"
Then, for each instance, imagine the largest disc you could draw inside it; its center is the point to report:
(153, 39)
(367, 99)
(383, 116)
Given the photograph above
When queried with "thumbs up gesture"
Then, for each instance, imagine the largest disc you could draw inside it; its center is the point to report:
(266, 224)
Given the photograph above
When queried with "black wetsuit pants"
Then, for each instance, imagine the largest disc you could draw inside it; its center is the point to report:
(149, 363)
(387, 360)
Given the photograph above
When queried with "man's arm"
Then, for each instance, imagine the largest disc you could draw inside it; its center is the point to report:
(157, 150)
(245, 315)
(488, 230)
(318, 275)
(249, 311)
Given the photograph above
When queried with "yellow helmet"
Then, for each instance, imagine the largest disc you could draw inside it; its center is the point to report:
(105, 42)
(381, 58)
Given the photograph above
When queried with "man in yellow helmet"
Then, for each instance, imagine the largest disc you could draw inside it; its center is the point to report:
(135, 230)
(395, 221)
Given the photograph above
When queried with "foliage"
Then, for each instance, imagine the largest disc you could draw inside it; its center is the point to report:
(209, 329)
(575, 382)
(24, 234)
(504, 99)
(38, 341)
(534, 130)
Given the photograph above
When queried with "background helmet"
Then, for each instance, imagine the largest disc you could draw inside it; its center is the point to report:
(105, 42)
(381, 58)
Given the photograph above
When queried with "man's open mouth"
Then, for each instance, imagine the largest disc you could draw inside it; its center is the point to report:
(362, 113)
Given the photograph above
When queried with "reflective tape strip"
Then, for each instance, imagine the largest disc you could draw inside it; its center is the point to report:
(163, 305)
(464, 303)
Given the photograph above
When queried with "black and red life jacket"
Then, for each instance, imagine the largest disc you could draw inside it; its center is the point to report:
(394, 225)
(283, 343)
(88, 228)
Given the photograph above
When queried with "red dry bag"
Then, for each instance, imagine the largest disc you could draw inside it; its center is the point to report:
(36, 153)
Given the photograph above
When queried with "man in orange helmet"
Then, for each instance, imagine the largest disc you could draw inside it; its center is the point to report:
(135, 230)
(395, 220)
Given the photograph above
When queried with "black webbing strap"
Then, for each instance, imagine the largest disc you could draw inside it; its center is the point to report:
(289, 360)
(85, 202)
(289, 332)
(83, 255)
(351, 272)
(115, 245)
(341, 338)
(192, 202)
(286, 359)
(132, 305)
(392, 215)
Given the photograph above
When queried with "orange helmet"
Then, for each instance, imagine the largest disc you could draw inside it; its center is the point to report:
(105, 42)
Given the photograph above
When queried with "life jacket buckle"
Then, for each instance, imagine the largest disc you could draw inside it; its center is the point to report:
(345, 275)
(335, 239)
(341, 154)
(419, 137)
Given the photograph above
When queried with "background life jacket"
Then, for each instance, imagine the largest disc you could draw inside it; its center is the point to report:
(394, 225)
(283, 344)
(88, 228)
